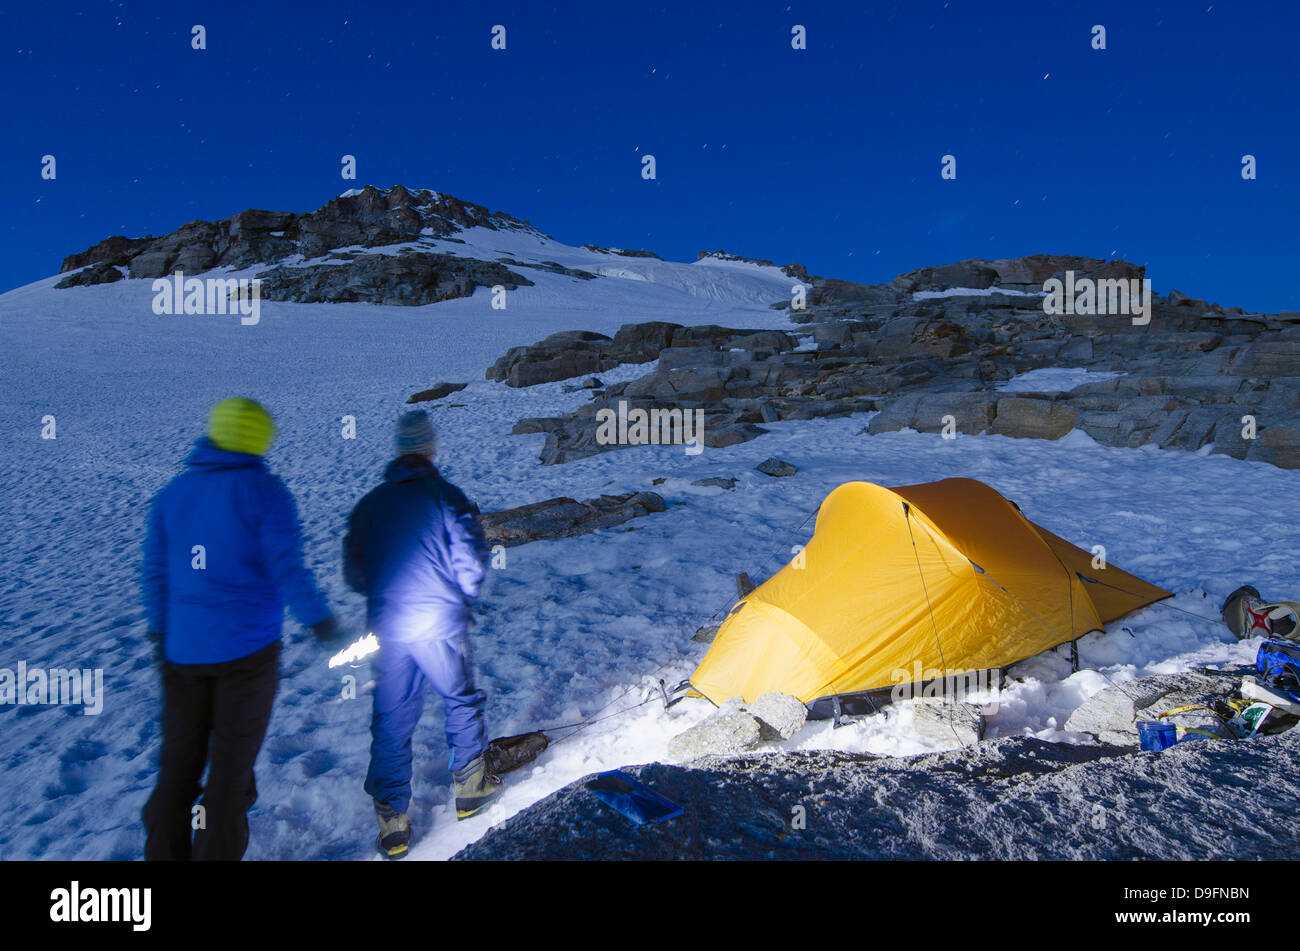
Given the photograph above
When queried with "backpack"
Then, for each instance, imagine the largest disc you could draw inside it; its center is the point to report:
(1248, 615)
(1279, 664)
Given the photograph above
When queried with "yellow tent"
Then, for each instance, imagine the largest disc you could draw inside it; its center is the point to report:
(943, 578)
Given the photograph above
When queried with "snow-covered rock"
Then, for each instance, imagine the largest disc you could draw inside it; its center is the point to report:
(780, 716)
(777, 468)
(947, 721)
(565, 518)
(724, 733)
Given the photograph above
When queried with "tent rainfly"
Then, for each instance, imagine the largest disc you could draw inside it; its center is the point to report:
(945, 576)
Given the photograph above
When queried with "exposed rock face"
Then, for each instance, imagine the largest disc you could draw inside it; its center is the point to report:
(412, 278)
(1198, 374)
(796, 271)
(641, 343)
(101, 273)
(369, 219)
(947, 721)
(1033, 419)
(561, 356)
(1019, 274)
(436, 392)
(723, 733)
(779, 715)
(117, 250)
(777, 468)
(565, 518)
(570, 353)
(1014, 798)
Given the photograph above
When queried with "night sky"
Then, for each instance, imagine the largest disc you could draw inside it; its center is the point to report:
(829, 156)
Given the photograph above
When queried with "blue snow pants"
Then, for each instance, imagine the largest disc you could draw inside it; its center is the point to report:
(402, 670)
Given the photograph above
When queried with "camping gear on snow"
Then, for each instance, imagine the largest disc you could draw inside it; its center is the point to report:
(1251, 689)
(507, 753)
(1279, 663)
(908, 585)
(1196, 721)
(1248, 615)
(632, 799)
(1250, 720)
(1260, 710)
(1193, 721)
(1156, 735)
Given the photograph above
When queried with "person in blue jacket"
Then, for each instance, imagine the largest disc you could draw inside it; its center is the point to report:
(415, 549)
(222, 557)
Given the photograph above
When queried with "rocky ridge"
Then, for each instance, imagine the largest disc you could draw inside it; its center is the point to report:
(336, 236)
(931, 357)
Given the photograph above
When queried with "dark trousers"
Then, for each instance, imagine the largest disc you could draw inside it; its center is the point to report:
(214, 715)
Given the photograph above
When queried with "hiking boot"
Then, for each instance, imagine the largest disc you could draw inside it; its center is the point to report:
(394, 832)
(475, 787)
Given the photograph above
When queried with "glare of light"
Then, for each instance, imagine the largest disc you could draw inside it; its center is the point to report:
(355, 651)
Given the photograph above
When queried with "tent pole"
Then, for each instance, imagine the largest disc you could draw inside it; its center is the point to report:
(1074, 655)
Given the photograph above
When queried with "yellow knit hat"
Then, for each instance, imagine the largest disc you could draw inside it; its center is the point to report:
(241, 425)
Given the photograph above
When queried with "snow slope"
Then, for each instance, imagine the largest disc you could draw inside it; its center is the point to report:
(568, 628)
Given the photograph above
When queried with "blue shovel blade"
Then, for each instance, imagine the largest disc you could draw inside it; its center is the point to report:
(631, 799)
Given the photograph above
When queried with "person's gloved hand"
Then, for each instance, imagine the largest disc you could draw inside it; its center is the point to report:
(327, 632)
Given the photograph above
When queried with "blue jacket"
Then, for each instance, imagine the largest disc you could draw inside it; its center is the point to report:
(415, 549)
(247, 523)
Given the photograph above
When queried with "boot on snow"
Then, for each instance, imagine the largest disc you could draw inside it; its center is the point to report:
(394, 832)
(475, 787)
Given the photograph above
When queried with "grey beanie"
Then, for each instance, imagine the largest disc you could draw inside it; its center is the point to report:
(415, 435)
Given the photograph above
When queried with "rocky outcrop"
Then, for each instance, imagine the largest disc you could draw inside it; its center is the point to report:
(436, 392)
(796, 271)
(1015, 798)
(368, 218)
(946, 720)
(779, 715)
(411, 278)
(117, 250)
(565, 518)
(1032, 419)
(101, 273)
(776, 468)
(736, 727)
(561, 356)
(726, 732)
(1025, 274)
(1197, 375)
(570, 353)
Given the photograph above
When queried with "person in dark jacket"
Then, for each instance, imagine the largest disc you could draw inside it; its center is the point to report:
(415, 549)
(222, 556)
